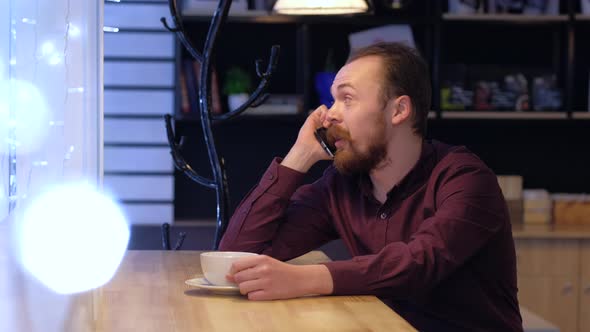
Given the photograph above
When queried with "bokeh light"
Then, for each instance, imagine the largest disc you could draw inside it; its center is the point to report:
(31, 115)
(72, 238)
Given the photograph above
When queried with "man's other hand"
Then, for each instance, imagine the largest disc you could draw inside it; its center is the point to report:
(265, 278)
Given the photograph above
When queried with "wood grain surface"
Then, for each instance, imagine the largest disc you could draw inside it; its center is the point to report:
(148, 293)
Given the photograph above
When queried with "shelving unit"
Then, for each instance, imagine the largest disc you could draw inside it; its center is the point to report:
(542, 146)
(505, 115)
(505, 18)
(306, 47)
(581, 115)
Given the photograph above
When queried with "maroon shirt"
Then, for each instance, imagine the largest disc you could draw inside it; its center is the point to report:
(439, 250)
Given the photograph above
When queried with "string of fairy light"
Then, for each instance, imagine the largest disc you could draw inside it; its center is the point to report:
(17, 115)
(12, 143)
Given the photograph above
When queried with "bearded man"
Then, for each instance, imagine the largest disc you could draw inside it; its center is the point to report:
(425, 222)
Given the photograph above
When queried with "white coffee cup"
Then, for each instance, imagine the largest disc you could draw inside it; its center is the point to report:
(216, 265)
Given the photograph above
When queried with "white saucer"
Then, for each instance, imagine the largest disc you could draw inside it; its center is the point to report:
(204, 284)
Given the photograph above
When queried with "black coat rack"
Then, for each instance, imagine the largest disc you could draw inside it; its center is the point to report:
(219, 180)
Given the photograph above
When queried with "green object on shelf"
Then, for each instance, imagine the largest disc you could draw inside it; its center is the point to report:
(445, 100)
(236, 81)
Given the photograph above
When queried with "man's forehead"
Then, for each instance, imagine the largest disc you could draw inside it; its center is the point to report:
(357, 70)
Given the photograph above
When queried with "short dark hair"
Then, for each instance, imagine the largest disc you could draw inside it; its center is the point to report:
(406, 73)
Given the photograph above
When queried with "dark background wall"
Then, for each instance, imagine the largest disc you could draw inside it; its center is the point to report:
(550, 154)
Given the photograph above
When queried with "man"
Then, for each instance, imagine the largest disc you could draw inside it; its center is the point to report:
(425, 222)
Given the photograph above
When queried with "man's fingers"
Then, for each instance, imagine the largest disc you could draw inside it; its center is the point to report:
(259, 295)
(249, 286)
(323, 115)
(321, 108)
(320, 112)
(247, 274)
(245, 263)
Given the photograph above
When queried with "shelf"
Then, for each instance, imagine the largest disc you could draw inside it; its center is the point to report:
(582, 17)
(506, 18)
(195, 119)
(492, 115)
(257, 16)
(500, 115)
(581, 115)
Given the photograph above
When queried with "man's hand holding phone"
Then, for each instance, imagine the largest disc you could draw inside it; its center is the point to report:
(307, 150)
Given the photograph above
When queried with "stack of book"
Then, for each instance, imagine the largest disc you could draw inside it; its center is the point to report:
(537, 206)
(189, 77)
(511, 186)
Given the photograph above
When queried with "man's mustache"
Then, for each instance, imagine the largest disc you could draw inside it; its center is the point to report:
(335, 133)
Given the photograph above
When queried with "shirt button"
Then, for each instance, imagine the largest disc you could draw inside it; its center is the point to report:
(383, 215)
(270, 176)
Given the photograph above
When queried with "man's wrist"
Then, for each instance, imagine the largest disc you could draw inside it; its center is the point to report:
(300, 160)
(319, 280)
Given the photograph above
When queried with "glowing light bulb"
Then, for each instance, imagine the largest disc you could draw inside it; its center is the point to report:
(110, 29)
(29, 21)
(72, 238)
(29, 116)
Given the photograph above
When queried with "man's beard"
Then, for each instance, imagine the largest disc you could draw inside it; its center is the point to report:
(351, 160)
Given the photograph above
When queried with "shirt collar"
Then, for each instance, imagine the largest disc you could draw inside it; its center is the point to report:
(419, 173)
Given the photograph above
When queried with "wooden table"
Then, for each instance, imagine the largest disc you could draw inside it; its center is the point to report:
(148, 293)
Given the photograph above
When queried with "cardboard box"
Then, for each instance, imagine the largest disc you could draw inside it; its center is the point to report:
(571, 209)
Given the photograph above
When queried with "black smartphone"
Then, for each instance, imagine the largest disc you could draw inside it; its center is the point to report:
(320, 134)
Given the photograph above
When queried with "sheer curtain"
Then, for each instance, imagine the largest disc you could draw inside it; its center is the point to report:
(50, 134)
(50, 96)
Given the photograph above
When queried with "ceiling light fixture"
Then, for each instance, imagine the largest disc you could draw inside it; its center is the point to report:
(320, 7)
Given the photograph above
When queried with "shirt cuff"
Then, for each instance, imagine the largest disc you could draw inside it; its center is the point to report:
(282, 181)
(347, 277)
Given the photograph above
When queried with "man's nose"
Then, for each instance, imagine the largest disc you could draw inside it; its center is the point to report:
(334, 116)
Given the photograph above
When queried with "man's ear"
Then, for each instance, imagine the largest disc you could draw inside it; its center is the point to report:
(402, 109)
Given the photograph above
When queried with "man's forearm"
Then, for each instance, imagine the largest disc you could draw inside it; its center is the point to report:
(300, 160)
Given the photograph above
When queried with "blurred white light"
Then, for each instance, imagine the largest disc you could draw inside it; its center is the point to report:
(68, 154)
(47, 48)
(72, 238)
(13, 62)
(30, 111)
(29, 21)
(3, 196)
(110, 29)
(73, 30)
(76, 90)
(56, 123)
(55, 60)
